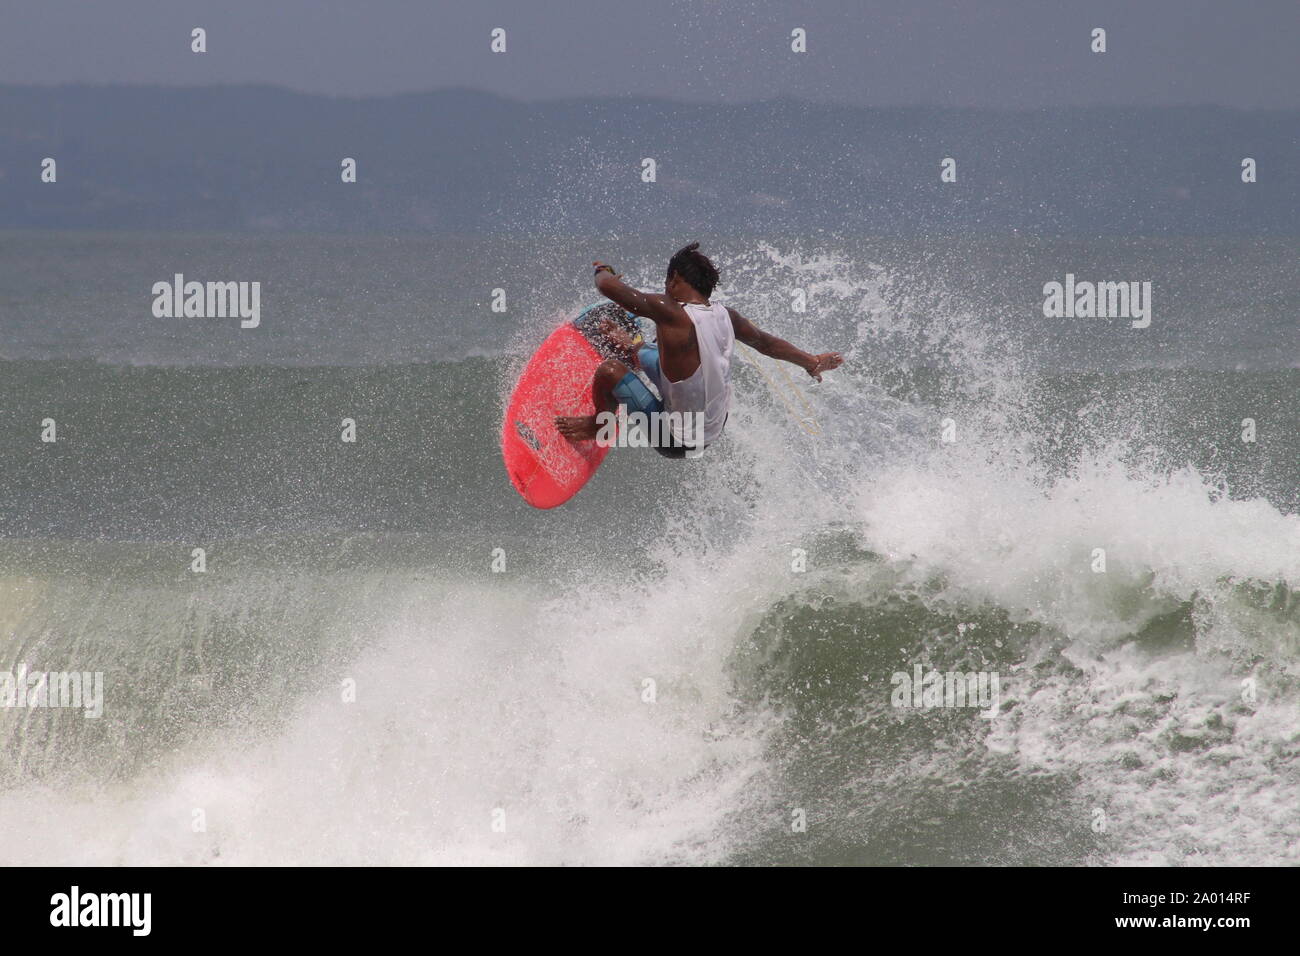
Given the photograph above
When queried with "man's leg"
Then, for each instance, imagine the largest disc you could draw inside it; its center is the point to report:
(583, 427)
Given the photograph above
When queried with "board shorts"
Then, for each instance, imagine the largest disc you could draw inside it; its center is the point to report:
(632, 393)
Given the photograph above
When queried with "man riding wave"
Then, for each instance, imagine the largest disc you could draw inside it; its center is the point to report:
(691, 366)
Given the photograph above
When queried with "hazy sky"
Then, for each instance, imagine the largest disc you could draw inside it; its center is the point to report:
(1007, 53)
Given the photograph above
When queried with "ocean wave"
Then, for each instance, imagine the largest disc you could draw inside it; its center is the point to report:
(684, 664)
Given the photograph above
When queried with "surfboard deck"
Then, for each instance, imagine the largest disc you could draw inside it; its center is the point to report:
(544, 466)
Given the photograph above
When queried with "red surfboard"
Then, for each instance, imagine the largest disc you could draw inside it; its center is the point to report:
(544, 466)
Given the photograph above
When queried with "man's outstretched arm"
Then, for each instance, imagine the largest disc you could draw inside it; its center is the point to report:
(747, 332)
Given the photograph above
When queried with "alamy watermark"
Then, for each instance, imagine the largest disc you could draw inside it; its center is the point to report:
(179, 299)
(1098, 300)
(53, 689)
(128, 910)
(925, 689)
(651, 430)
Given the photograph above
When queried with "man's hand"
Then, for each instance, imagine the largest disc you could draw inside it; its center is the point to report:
(768, 344)
(604, 267)
(823, 363)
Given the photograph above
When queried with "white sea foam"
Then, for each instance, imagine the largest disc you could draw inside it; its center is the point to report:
(477, 694)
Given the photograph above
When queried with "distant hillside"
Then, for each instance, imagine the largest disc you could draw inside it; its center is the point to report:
(459, 162)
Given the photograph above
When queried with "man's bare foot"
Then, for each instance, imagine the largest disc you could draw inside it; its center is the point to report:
(577, 427)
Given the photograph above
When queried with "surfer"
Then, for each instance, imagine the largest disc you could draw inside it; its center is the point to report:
(690, 364)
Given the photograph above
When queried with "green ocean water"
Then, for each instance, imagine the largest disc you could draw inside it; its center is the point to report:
(687, 664)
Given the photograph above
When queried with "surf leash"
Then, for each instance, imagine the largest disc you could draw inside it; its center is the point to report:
(807, 421)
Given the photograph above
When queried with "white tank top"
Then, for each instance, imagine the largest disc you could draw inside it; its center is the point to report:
(708, 390)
